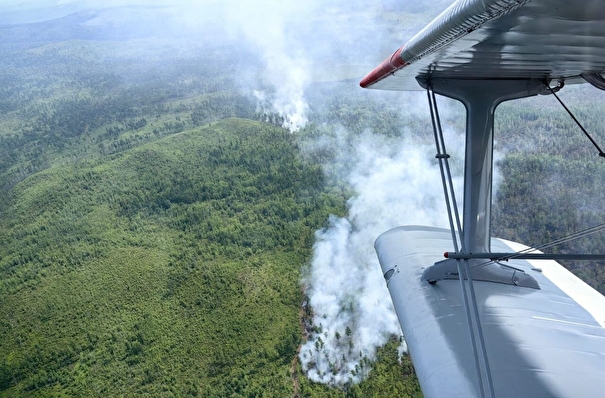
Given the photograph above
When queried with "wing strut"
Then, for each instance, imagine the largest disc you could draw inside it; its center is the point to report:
(595, 79)
(466, 283)
(480, 97)
(444, 166)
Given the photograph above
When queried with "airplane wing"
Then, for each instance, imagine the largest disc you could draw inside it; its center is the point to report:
(532, 329)
(504, 38)
(547, 342)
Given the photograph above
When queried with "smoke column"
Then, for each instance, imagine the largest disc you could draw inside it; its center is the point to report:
(396, 182)
(299, 43)
(286, 69)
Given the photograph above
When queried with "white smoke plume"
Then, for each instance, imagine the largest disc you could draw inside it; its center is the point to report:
(396, 182)
(299, 43)
(294, 44)
(266, 27)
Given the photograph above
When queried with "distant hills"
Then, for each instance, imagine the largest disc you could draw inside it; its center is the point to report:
(157, 219)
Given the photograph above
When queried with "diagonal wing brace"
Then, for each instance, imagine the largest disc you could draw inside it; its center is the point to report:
(495, 272)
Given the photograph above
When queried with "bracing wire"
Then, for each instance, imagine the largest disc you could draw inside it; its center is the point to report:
(601, 153)
(469, 298)
(446, 176)
(568, 238)
(447, 169)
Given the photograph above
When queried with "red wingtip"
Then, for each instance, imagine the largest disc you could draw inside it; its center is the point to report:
(446, 255)
(388, 66)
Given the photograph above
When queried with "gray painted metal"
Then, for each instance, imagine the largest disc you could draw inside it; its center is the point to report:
(524, 256)
(595, 79)
(479, 270)
(506, 39)
(480, 97)
(540, 343)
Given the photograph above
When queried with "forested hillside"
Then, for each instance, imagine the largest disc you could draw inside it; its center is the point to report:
(551, 176)
(158, 220)
(171, 268)
(155, 224)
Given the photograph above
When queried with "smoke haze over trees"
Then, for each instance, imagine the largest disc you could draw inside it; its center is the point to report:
(190, 191)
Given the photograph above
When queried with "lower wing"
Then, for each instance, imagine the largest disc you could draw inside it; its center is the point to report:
(546, 342)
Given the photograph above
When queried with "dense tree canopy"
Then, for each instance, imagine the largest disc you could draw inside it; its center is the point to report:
(155, 218)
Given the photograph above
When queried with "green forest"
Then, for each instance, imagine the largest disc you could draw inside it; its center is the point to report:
(156, 222)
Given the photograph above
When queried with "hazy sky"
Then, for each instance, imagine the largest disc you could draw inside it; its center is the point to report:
(89, 3)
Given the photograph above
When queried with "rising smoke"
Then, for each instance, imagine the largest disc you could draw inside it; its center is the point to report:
(396, 182)
(301, 43)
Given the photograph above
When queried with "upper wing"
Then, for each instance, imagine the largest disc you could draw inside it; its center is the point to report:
(500, 39)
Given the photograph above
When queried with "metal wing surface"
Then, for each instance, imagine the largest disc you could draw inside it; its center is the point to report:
(541, 333)
(500, 39)
(547, 342)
